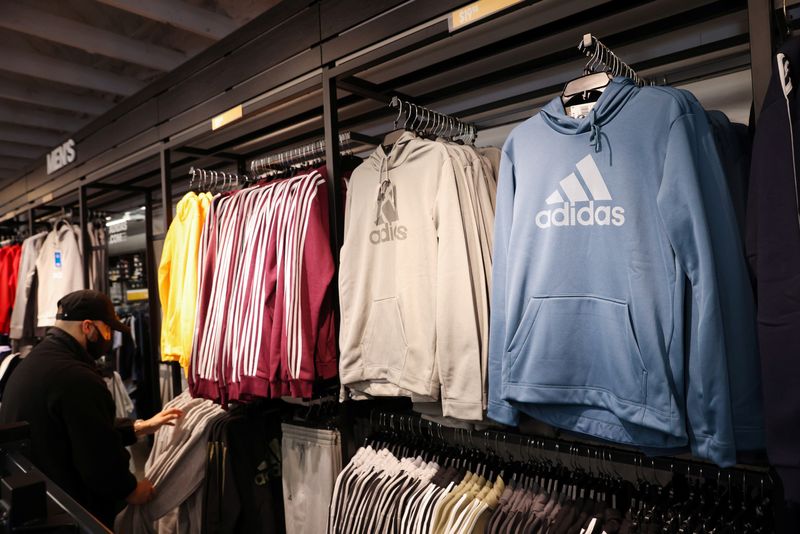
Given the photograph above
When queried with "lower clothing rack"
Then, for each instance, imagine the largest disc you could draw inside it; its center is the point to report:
(516, 445)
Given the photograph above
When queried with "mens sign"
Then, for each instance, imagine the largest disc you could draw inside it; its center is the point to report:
(61, 156)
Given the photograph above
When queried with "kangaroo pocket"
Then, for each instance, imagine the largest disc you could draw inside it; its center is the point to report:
(384, 343)
(578, 342)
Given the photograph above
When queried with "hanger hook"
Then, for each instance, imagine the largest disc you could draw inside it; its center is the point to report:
(399, 111)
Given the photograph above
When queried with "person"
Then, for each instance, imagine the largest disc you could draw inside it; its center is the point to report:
(75, 439)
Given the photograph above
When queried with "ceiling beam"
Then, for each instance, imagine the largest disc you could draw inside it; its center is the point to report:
(179, 14)
(21, 151)
(30, 136)
(47, 68)
(8, 173)
(30, 21)
(41, 96)
(10, 162)
(39, 119)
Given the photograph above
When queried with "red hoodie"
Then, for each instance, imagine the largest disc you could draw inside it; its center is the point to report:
(9, 267)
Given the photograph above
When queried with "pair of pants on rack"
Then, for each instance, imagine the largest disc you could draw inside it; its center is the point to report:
(312, 459)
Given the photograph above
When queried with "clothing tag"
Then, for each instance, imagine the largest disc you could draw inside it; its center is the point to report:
(783, 72)
(57, 260)
(579, 111)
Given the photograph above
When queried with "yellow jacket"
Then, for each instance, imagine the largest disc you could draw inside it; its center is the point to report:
(177, 278)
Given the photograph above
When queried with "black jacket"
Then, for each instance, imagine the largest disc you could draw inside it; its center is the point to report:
(75, 439)
(773, 249)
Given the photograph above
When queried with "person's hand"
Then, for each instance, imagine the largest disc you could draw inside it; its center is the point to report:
(167, 417)
(143, 493)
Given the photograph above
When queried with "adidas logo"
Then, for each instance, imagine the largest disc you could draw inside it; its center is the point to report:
(387, 219)
(589, 215)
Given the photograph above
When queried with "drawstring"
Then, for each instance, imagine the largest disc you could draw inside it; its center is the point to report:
(594, 138)
(384, 185)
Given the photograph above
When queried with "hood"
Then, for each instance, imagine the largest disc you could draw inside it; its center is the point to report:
(380, 160)
(613, 99)
(185, 205)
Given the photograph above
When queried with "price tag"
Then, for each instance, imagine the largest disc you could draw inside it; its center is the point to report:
(580, 111)
(476, 11)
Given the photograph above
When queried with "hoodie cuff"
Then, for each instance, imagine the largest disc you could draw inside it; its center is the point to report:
(503, 413)
(469, 411)
(708, 448)
(126, 431)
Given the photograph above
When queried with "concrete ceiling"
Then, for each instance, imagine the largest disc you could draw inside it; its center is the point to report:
(64, 63)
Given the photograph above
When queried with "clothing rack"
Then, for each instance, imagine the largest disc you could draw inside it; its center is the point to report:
(434, 123)
(210, 180)
(307, 153)
(602, 59)
(529, 446)
(52, 218)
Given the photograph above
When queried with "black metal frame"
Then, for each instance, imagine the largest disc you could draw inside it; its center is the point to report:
(249, 63)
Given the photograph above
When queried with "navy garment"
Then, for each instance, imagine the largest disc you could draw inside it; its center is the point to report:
(733, 143)
(773, 249)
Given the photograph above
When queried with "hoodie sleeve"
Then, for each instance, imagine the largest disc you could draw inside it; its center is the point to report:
(164, 289)
(500, 410)
(188, 292)
(87, 409)
(688, 225)
(457, 345)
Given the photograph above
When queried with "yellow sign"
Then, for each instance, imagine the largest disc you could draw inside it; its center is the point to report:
(137, 294)
(477, 11)
(226, 118)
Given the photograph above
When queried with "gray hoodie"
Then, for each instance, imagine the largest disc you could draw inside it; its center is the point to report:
(176, 467)
(409, 318)
(27, 266)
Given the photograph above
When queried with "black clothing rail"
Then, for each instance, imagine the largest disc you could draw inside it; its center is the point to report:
(514, 443)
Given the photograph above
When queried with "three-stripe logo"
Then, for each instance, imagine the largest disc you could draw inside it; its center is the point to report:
(595, 191)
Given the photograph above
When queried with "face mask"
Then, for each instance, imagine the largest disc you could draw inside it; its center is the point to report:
(99, 346)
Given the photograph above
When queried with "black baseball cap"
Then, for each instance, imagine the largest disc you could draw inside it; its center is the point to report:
(92, 305)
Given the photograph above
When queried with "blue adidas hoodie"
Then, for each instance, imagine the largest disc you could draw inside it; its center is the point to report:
(613, 309)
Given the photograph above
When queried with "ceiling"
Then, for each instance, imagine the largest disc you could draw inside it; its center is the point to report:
(64, 63)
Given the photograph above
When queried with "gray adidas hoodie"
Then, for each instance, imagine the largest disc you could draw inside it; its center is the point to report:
(409, 319)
